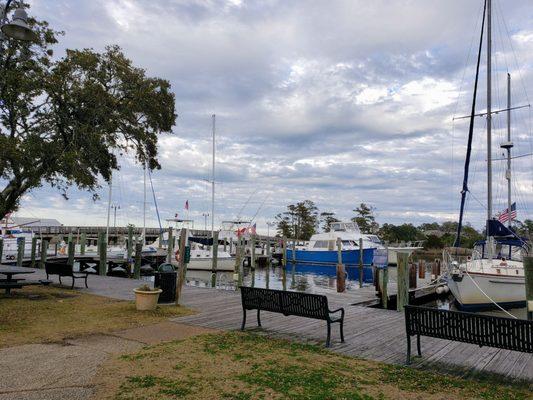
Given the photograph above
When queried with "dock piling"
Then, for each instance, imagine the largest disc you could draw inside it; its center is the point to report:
(384, 284)
(102, 253)
(341, 274)
(421, 269)
(403, 281)
(252, 252)
(284, 251)
(138, 260)
(214, 259)
(528, 274)
(21, 243)
(361, 268)
(71, 249)
(83, 243)
(1, 249)
(170, 246)
(33, 250)
(44, 253)
(182, 269)
(412, 276)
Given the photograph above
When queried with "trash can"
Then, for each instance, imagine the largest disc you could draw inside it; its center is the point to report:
(165, 279)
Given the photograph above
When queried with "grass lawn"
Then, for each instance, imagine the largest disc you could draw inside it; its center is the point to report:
(37, 314)
(248, 366)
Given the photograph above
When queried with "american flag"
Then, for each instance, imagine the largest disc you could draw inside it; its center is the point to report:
(504, 215)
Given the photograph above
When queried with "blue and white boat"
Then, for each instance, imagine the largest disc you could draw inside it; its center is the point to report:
(322, 247)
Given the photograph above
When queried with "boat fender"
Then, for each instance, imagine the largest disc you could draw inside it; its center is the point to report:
(439, 290)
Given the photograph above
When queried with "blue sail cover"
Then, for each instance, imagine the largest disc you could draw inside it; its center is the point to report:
(497, 229)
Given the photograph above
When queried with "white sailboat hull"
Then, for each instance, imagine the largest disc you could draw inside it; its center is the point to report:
(477, 289)
(205, 264)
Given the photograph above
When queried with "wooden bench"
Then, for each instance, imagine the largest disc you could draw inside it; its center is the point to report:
(483, 330)
(64, 269)
(290, 303)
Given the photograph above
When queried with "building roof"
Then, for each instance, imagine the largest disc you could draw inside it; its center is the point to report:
(29, 221)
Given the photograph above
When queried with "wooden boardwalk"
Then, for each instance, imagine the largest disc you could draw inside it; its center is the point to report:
(369, 333)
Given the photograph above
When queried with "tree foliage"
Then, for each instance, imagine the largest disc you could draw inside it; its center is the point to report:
(65, 121)
(300, 221)
(365, 218)
(326, 219)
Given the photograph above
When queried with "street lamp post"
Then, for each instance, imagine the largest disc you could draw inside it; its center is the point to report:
(205, 215)
(269, 224)
(18, 28)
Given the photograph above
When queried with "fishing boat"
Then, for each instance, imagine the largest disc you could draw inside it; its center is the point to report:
(322, 247)
(11, 233)
(493, 276)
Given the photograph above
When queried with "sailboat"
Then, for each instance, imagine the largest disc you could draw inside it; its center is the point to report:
(493, 277)
(201, 248)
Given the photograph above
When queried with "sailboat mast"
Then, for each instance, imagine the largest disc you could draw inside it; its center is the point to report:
(213, 185)
(489, 124)
(508, 146)
(109, 208)
(144, 205)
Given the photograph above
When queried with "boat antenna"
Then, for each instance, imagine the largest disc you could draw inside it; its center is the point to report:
(464, 190)
(213, 185)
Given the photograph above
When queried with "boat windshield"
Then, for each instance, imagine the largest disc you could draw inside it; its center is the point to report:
(374, 239)
(344, 226)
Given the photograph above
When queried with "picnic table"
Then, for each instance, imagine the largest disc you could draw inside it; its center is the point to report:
(10, 282)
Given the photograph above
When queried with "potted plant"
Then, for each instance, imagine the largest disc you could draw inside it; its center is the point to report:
(146, 297)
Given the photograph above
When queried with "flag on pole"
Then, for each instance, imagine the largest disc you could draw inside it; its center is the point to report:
(253, 229)
(504, 216)
(187, 205)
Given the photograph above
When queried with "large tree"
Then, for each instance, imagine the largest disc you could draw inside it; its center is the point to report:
(64, 121)
(365, 218)
(326, 219)
(300, 221)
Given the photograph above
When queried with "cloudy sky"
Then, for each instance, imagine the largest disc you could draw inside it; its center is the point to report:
(339, 102)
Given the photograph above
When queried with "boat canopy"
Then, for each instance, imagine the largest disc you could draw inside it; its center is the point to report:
(344, 227)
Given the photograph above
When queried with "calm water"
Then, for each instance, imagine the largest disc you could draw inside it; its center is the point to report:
(317, 279)
(303, 278)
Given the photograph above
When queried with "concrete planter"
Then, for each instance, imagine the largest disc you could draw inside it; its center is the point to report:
(146, 300)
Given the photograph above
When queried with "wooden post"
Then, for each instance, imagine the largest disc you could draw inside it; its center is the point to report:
(437, 261)
(170, 246)
(160, 238)
(138, 260)
(44, 253)
(83, 242)
(267, 276)
(528, 274)
(71, 249)
(182, 269)
(341, 275)
(214, 259)
(70, 238)
(241, 249)
(21, 243)
(231, 245)
(33, 250)
(412, 276)
(403, 276)
(383, 286)
(361, 266)
(294, 251)
(268, 246)
(252, 283)
(1, 249)
(237, 260)
(225, 245)
(129, 248)
(252, 253)
(284, 250)
(102, 253)
(421, 269)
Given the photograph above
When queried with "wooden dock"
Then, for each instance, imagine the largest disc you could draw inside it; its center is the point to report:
(371, 333)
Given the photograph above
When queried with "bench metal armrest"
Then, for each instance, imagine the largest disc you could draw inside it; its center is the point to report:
(337, 310)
